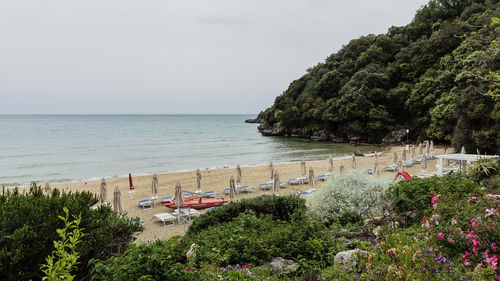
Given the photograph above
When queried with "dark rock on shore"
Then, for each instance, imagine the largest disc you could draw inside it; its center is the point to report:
(314, 134)
(253, 120)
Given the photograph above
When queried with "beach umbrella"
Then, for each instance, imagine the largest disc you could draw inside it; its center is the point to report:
(104, 190)
(312, 180)
(238, 174)
(403, 155)
(424, 162)
(47, 189)
(341, 168)
(427, 147)
(463, 150)
(353, 161)
(131, 186)
(375, 166)
(276, 184)
(420, 152)
(117, 201)
(431, 149)
(271, 170)
(303, 167)
(154, 185)
(179, 201)
(412, 153)
(330, 164)
(400, 166)
(395, 157)
(232, 187)
(198, 181)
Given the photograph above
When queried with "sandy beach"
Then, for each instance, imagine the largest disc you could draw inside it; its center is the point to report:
(218, 179)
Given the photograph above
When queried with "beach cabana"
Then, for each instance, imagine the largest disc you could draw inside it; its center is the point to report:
(463, 160)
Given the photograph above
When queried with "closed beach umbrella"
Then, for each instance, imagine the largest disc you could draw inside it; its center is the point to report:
(131, 186)
(232, 187)
(178, 194)
(395, 157)
(424, 162)
(353, 161)
(341, 168)
(238, 174)
(427, 147)
(312, 180)
(104, 190)
(117, 200)
(47, 189)
(198, 181)
(420, 152)
(276, 184)
(446, 161)
(271, 170)
(330, 164)
(375, 166)
(412, 153)
(303, 168)
(154, 185)
(403, 155)
(463, 150)
(431, 149)
(400, 166)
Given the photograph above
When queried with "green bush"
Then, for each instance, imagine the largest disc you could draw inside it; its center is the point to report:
(279, 207)
(28, 223)
(407, 196)
(483, 169)
(348, 198)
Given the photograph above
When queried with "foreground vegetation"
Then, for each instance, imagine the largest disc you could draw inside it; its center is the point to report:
(438, 76)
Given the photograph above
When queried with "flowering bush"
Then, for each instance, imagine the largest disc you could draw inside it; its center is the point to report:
(354, 193)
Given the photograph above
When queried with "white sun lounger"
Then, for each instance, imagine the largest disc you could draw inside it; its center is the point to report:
(186, 213)
(146, 203)
(165, 217)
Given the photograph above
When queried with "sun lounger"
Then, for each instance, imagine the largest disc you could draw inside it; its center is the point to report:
(165, 217)
(211, 208)
(186, 213)
(369, 171)
(416, 160)
(392, 168)
(407, 163)
(265, 186)
(246, 188)
(308, 192)
(210, 194)
(167, 198)
(324, 176)
(146, 203)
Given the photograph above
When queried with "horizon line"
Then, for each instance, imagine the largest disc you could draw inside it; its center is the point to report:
(5, 114)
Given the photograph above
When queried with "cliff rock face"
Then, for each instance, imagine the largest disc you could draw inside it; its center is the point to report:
(314, 134)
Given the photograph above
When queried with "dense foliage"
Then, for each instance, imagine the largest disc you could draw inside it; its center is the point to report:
(348, 197)
(28, 224)
(437, 76)
(280, 207)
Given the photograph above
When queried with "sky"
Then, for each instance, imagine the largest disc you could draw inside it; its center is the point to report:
(172, 57)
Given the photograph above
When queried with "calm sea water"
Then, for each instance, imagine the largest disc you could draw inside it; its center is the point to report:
(63, 148)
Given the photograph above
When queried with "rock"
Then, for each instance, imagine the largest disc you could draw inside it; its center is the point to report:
(394, 137)
(268, 130)
(279, 265)
(348, 260)
(191, 254)
(358, 153)
(321, 135)
(253, 120)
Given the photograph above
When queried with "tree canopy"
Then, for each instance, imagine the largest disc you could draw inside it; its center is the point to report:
(437, 76)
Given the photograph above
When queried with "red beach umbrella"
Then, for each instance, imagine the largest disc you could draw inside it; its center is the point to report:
(130, 182)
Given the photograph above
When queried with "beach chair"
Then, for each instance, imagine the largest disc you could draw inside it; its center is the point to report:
(368, 171)
(294, 181)
(145, 204)
(392, 168)
(210, 194)
(265, 186)
(211, 208)
(324, 177)
(416, 160)
(246, 188)
(186, 213)
(164, 218)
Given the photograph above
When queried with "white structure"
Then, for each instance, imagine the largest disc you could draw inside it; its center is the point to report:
(464, 160)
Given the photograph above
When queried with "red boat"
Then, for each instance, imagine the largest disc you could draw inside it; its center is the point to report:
(199, 203)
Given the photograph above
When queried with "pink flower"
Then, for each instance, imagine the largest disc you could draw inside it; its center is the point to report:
(441, 235)
(435, 198)
(434, 206)
(187, 268)
(245, 267)
(466, 255)
(453, 221)
(479, 265)
(473, 223)
(475, 244)
(489, 212)
(494, 247)
(466, 263)
(472, 198)
(451, 240)
(494, 196)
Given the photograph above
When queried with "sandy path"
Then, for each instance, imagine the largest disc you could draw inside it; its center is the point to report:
(218, 179)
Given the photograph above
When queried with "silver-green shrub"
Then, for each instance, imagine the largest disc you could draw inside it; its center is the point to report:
(353, 193)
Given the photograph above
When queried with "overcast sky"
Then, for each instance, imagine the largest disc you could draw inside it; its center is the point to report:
(172, 57)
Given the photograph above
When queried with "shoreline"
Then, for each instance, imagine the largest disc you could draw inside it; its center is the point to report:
(218, 179)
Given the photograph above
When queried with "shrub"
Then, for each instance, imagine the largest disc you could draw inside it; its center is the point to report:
(279, 207)
(483, 169)
(353, 196)
(28, 224)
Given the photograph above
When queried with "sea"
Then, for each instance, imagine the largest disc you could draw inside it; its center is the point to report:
(76, 148)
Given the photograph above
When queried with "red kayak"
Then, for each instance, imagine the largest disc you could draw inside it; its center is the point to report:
(200, 203)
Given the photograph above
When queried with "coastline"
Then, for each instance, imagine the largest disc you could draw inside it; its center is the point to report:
(218, 179)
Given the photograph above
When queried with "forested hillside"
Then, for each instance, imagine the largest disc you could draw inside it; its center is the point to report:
(437, 76)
